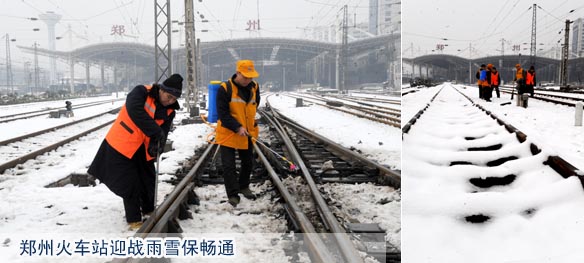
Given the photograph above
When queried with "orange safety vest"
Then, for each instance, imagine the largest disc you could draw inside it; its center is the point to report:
(480, 82)
(244, 112)
(519, 74)
(125, 136)
(495, 78)
(529, 80)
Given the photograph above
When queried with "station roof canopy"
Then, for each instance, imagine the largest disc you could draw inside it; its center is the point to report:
(225, 52)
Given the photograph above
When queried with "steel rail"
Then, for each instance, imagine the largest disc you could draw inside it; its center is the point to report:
(163, 217)
(170, 204)
(557, 163)
(543, 97)
(369, 108)
(162, 222)
(359, 101)
(47, 111)
(391, 176)
(390, 101)
(413, 120)
(348, 251)
(315, 244)
(395, 122)
(51, 147)
(19, 138)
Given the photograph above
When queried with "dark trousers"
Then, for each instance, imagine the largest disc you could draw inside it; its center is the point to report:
(520, 87)
(487, 92)
(232, 183)
(529, 89)
(141, 200)
(496, 88)
(131, 179)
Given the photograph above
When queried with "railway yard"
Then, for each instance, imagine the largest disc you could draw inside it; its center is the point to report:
(342, 203)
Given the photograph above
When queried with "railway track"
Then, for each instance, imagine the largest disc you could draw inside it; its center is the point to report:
(389, 117)
(367, 99)
(475, 153)
(348, 168)
(37, 113)
(49, 139)
(553, 98)
(379, 104)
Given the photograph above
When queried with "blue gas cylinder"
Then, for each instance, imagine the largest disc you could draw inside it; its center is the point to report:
(213, 86)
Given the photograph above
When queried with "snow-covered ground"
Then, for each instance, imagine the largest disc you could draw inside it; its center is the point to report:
(377, 141)
(29, 211)
(538, 218)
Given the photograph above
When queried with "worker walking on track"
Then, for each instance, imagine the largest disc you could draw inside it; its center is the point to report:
(237, 102)
(495, 81)
(530, 81)
(125, 159)
(520, 79)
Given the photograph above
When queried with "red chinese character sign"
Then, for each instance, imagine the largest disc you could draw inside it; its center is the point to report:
(118, 30)
(253, 25)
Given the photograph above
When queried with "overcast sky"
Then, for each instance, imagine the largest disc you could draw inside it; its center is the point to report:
(92, 21)
(425, 23)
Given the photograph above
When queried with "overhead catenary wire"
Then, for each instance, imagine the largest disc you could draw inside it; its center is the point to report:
(497, 17)
(480, 45)
(547, 28)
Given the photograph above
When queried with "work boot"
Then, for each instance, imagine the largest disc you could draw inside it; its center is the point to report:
(247, 194)
(233, 201)
(133, 226)
(146, 216)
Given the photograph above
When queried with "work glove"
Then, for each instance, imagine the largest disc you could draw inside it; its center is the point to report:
(156, 144)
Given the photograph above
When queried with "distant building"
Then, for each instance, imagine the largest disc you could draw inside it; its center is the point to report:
(384, 17)
(577, 47)
(324, 33)
(333, 34)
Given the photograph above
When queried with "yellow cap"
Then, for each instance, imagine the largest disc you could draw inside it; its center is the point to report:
(246, 68)
(215, 82)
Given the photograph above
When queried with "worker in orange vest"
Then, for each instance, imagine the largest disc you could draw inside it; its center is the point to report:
(487, 89)
(237, 102)
(519, 79)
(481, 75)
(530, 80)
(125, 159)
(495, 81)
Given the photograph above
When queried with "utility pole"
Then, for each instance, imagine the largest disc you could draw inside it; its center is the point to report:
(8, 66)
(565, 52)
(27, 76)
(533, 36)
(343, 53)
(469, 63)
(71, 62)
(502, 47)
(191, 56)
(412, 49)
(36, 67)
(162, 45)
